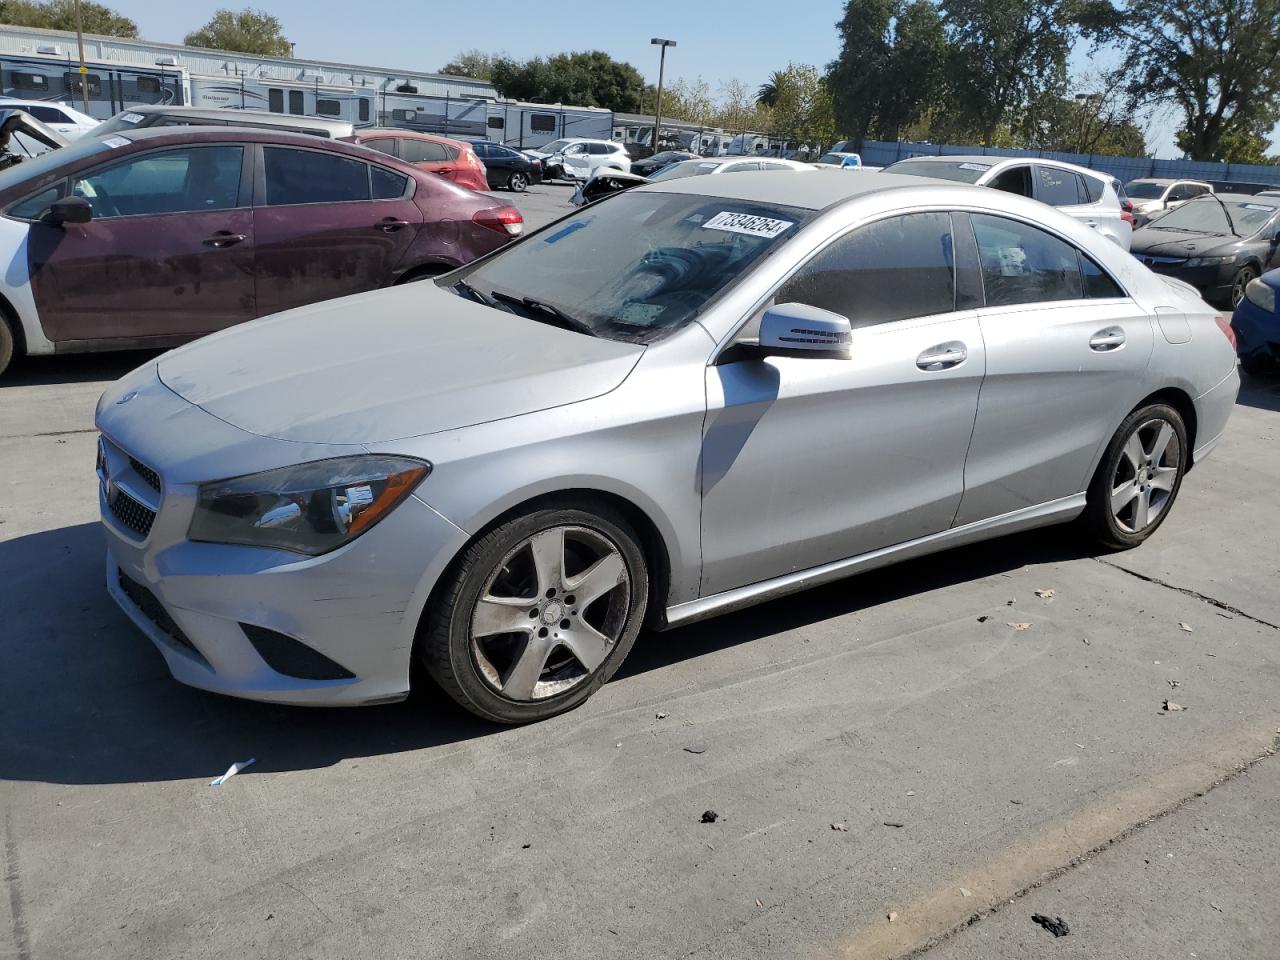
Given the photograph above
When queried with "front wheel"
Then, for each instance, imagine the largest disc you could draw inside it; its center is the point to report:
(1242, 278)
(1138, 478)
(517, 182)
(538, 614)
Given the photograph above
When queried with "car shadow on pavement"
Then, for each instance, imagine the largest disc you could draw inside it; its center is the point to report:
(1260, 392)
(74, 368)
(85, 698)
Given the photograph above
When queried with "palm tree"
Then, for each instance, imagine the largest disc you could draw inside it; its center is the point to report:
(767, 95)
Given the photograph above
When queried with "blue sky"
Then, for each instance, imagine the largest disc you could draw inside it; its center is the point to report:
(718, 39)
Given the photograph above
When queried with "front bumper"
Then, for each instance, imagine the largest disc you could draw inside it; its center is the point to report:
(1257, 332)
(357, 607)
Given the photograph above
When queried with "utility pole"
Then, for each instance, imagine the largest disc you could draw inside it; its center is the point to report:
(84, 71)
(662, 65)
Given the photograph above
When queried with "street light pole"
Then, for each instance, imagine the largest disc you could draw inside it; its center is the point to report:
(84, 71)
(662, 65)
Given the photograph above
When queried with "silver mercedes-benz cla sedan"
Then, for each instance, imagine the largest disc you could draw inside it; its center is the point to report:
(685, 399)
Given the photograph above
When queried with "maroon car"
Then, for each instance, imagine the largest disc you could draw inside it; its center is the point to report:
(155, 236)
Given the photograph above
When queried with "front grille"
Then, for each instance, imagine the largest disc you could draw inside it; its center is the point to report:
(136, 516)
(151, 478)
(154, 611)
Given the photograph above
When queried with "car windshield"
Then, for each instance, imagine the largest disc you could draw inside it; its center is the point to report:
(962, 170)
(833, 158)
(555, 146)
(686, 168)
(636, 268)
(49, 161)
(1206, 215)
(1145, 190)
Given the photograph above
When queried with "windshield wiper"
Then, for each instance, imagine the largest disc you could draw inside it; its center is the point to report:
(561, 318)
(473, 293)
(1227, 213)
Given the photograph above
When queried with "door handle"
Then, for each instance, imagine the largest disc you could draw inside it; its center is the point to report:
(391, 224)
(225, 238)
(1109, 338)
(943, 356)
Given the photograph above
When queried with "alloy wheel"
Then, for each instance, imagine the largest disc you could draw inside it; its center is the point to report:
(1146, 475)
(1241, 281)
(550, 613)
(518, 182)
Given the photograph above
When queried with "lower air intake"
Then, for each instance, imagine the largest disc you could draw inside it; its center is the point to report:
(292, 657)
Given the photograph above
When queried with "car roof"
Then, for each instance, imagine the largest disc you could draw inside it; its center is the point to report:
(990, 160)
(382, 133)
(221, 113)
(821, 189)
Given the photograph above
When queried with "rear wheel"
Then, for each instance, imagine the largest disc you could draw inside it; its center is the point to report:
(7, 344)
(1138, 478)
(518, 182)
(1242, 278)
(538, 614)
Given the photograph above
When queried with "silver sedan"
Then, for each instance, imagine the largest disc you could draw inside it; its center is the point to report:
(689, 398)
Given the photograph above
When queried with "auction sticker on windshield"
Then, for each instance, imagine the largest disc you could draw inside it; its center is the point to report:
(747, 223)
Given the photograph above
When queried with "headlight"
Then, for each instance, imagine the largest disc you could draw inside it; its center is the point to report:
(310, 508)
(1210, 261)
(1261, 295)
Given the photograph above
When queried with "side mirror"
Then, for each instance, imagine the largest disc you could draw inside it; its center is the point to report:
(799, 330)
(71, 210)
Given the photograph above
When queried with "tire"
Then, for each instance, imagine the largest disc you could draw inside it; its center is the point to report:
(1241, 280)
(1142, 469)
(517, 182)
(7, 345)
(556, 652)
(1259, 366)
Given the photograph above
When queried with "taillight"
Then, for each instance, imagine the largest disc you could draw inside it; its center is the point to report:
(1126, 211)
(1225, 326)
(502, 219)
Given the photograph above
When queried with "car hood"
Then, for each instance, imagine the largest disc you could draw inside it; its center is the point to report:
(391, 364)
(1171, 243)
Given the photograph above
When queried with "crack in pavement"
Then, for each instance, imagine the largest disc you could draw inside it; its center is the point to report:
(1056, 873)
(1212, 601)
(20, 937)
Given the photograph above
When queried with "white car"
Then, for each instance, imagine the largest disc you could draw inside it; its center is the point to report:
(840, 161)
(1090, 196)
(577, 158)
(58, 116)
(1153, 196)
(709, 165)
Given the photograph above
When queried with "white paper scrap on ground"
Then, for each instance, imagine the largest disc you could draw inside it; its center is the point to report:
(232, 771)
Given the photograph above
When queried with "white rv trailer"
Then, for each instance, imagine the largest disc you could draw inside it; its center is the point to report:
(40, 64)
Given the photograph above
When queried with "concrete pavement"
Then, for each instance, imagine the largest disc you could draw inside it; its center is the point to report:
(413, 830)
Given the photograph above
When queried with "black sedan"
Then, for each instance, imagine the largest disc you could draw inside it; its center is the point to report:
(506, 167)
(659, 160)
(1216, 243)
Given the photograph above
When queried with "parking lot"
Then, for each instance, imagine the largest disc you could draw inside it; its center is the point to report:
(894, 766)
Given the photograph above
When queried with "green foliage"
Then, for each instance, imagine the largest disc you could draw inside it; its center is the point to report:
(1218, 61)
(61, 15)
(475, 64)
(858, 77)
(803, 110)
(588, 79)
(243, 31)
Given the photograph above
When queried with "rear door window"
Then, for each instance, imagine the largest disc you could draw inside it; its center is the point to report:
(892, 269)
(1058, 188)
(1023, 264)
(387, 184)
(423, 151)
(309, 176)
(385, 145)
(1014, 180)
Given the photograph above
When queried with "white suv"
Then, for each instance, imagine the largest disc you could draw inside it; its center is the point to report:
(1153, 196)
(576, 158)
(1088, 195)
(68, 121)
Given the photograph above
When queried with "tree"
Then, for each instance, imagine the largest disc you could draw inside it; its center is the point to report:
(767, 94)
(589, 79)
(1093, 123)
(1218, 61)
(738, 108)
(857, 76)
(691, 102)
(1005, 54)
(803, 109)
(61, 15)
(914, 74)
(244, 31)
(475, 64)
